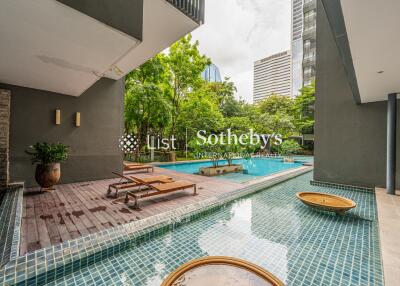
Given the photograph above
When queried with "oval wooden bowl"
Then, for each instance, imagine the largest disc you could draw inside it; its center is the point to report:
(326, 202)
(222, 260)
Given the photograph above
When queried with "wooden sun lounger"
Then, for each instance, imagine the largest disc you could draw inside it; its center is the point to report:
(138, 167)
(164, 188)
(133, 182)
(127, 164)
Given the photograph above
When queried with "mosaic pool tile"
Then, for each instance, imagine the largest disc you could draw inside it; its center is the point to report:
(271, 228)
(10, 221)
(29, 269)
(340, 186)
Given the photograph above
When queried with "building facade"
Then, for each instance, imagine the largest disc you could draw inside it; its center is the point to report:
(272, 75)
(211, 74)
(309, 40)
(297, 45)
(355, 108)
(72, 57)
(303, 43)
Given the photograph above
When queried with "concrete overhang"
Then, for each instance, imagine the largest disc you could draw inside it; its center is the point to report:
(51, 46)
(367, 35)
(163, 25)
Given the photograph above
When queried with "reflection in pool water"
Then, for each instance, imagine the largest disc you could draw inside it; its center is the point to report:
(223, 275)
(254, 168)
(272, 229)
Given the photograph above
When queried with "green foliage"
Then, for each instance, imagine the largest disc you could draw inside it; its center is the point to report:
(287, 116)
(238, 125)
(278, 123)
(304, 110)
(289, 147)
(199, 111)
(276, 104)
(276, 116)
(186, 65)
(147, 105)
(167, 96)
(210, 151)
(230, 151)
(45, 153)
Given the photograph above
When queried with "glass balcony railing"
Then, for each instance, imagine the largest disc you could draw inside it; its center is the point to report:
(309, 5)
(191, 8)
(309, 32)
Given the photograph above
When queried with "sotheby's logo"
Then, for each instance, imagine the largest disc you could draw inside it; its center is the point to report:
(245, 139)
(130, 143)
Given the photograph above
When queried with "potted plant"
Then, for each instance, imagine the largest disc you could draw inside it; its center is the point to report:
(48, 158)
(288, 149)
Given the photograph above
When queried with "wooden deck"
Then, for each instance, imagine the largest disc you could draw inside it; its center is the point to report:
(78, 209)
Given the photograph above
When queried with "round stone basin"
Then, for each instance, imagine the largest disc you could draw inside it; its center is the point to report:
(218, 270)
(326, 201)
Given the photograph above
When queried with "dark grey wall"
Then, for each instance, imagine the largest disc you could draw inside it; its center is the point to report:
(350, 139)
(94, 145)
(123, 15)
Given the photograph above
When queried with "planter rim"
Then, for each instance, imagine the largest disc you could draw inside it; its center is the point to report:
(221, 166)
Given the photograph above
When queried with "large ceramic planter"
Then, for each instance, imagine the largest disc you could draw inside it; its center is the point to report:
(214, 171)
(47, 175)
(172, 156)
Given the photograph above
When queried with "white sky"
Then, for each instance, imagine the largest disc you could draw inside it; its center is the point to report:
(238, 32)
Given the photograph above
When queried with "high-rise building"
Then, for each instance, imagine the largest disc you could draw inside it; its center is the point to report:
(309, 40)
(297, 46)
(303, 43)
(211, 74)
(272, 75)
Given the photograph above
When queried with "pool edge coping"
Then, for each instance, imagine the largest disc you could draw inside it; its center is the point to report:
(386, 242)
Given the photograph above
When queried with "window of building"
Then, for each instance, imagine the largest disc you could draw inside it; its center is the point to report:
(308, 71)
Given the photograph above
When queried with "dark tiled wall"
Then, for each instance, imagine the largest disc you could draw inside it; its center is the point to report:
(4, 136)
(350, 139)
(94, 145)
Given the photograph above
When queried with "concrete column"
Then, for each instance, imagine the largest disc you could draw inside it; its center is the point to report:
(4, 136)
(391, 144)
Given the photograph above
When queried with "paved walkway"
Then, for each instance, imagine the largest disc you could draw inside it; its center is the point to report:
(389, 233)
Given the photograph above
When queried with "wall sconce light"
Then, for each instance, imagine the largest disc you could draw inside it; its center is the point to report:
(58, 116)
(77, 119)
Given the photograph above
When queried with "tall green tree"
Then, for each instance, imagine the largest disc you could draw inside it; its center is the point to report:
(276, 115)
(278, 123)
(224, 90)
(199, 111)
(186, 65)
(147, 93)
(304, 110)
(276, 103)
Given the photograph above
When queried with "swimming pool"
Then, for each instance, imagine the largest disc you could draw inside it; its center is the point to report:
(270, 228)
(255, 167)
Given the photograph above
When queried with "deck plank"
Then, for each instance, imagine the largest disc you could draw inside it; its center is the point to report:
(61, 214)
(24, 230)
(41, 230)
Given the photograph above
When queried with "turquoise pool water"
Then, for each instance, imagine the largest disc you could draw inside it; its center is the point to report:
(270, 228)
(255, 167)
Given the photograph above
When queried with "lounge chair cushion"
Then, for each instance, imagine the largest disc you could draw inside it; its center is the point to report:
(177, 185)
(152, 179)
